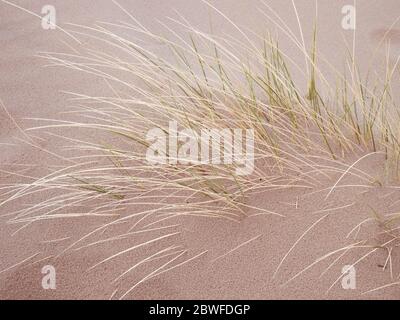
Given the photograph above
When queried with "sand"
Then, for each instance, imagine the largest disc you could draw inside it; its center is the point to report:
(227, 264)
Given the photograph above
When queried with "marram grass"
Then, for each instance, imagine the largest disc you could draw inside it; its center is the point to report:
(200, 81)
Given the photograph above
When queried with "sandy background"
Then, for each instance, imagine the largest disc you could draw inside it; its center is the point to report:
(29, 90)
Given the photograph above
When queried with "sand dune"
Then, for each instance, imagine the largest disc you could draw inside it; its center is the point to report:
(230, 260)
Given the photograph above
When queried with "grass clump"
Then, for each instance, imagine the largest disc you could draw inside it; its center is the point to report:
(201, 81)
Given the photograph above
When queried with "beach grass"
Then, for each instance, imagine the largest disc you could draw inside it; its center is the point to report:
(202, 81)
